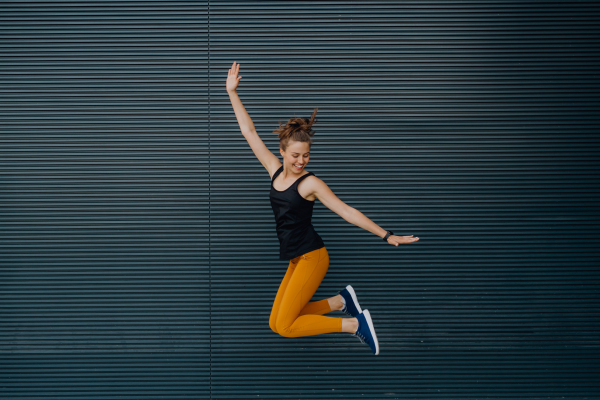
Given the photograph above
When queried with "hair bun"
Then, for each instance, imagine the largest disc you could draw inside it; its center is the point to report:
(298, 129)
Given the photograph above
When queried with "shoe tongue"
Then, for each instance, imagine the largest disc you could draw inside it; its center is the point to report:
(344, 301)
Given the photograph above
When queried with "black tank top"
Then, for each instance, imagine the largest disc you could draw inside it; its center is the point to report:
(293, 213)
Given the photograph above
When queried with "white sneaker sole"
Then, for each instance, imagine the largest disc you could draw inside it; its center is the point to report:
(367, 315)
(351, 291)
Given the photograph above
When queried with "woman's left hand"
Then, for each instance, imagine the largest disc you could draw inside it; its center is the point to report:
(232, 77)
(396, 240)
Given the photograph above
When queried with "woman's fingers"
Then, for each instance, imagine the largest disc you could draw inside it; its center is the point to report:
(232, 76)
(235, 68)
(405, 239)
(396, 239)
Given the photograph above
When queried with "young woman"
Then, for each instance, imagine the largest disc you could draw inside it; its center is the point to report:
(293, 192)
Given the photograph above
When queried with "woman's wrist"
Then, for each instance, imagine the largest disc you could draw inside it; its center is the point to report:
(387, 235)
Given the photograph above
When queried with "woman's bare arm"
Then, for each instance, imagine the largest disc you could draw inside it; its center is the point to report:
(264, 155)
(351, 214)
(244, 120)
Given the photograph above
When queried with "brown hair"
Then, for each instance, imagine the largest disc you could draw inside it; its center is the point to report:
(297, 129)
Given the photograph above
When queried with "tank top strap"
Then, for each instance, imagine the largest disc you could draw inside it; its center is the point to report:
(300, 179)
(279, 170)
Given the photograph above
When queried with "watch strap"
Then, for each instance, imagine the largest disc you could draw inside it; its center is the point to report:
(387, 235)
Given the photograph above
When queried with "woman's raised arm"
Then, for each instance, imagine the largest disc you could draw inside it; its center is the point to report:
(246, 124)
(264, 155)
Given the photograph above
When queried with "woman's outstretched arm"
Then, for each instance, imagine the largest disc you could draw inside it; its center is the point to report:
(244, 120)
(264, 155)
(351, 214)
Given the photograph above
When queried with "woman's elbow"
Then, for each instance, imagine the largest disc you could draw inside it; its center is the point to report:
(349, 213)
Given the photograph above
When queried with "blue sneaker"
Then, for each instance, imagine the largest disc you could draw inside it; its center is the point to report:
(366, 331)
(351, 307)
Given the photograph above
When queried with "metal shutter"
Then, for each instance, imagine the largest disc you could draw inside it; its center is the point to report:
(139, 257)
(472, 125)
(104, 281)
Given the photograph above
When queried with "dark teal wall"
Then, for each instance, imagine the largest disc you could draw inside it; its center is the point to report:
(138, 254)
(104, 208)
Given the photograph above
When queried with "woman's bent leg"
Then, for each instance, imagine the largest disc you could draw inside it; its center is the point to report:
(280, 292)
(316, 308)
(305, 279)
(319, 307)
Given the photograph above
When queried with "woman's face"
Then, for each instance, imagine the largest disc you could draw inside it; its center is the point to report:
(295, 157)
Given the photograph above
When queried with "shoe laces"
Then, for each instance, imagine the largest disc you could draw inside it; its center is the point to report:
(345, 307)
(361, 337)
(345, 311)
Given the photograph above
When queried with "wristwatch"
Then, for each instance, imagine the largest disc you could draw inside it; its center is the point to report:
(387, 235)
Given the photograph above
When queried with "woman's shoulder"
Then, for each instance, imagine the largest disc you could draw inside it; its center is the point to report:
(275, 169)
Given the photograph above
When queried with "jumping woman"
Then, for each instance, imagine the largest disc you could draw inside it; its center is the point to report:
(293, 192)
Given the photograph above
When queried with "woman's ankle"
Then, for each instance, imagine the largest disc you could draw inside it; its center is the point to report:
(336, 303)
(349, 325)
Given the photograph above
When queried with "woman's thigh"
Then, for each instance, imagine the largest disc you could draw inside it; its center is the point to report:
(302, 285)
(280, 292)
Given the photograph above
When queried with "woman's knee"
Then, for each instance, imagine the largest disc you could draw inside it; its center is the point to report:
(273, 327)
(283, 328)
(273, 322)
(279, 328)
(285, 332)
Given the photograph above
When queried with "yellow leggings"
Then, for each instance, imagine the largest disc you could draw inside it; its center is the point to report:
(292, 315)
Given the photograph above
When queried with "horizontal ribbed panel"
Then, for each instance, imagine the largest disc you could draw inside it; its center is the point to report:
(104, 279)
(472, 125)
(138, 253)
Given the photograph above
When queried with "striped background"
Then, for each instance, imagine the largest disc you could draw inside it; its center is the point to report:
(138, 253)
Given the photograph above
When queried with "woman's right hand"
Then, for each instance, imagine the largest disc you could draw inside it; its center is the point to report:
(232, 79)
(396, 240)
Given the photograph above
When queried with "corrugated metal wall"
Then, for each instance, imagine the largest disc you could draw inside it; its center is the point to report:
(139, 255)
(104, 285)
